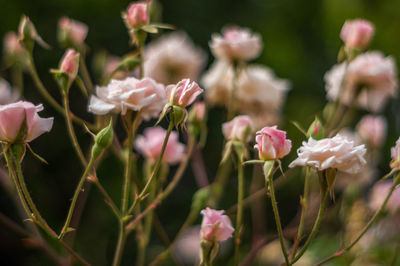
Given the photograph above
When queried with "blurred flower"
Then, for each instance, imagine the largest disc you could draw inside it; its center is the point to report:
(187, 248)
(215, 226)
(70, 63)
(236, 44)
(370, 76)
(7, 94)
(372, 129)
(357, 33)
(150, 145)
(12, 47)
(143, 95)
(183, 93)
(172, 58)
(239, 128)
(72, 31)
(136, 15)
(19, 122)
(337, 152)
(395, 152)
(360, 180)
(272, 143)
(378, 194)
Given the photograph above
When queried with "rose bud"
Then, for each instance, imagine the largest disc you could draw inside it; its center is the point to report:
(136, 15)
(183, 93)
(372, 129)
(70, 63)
(215, 226)
(272, 143)
(395, 152)
(357, 33)
(72, 31)
(238, 128)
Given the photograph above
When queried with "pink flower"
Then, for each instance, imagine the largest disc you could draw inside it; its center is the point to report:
(7, 94)
(395, 152)
(374, 74)
(238, 128)
(12, 117)
(12, 46)
(200, 110)
(272, 143)
(70, 63)
(379, 193)
(337, 152)
(183, 93)
(357, 33)
(150, 145)
(143, 95)
(372, 129)
(215, 226)
(72, 30)
(236, 44)
(136, 15)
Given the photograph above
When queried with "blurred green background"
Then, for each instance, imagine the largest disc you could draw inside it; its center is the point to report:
(301, 41)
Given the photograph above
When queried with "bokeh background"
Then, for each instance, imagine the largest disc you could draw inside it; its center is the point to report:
(301, 41)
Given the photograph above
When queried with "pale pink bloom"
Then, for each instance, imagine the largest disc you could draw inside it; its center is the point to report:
(73, 30)
(236, 44)
(12, 117)
(11, 45)
(272, 143)
(187, 248)
(173, 57)
(183, 93)
(136, 15)
(150, 145)
(357, 33)
(215, 226)
(395, 152)
(372, 129)
(337, 152)
(239, 128)
(70, 63)
(375, 74)
(200, 110)
(7, 94)
(143, 95)
(379, 193)
(361, 179)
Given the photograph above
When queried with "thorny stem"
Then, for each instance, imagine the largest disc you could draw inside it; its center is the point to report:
(128, 165)
(239, 215)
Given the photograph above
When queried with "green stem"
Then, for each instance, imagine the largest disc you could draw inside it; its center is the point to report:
(85, 73)
(239, 215)
(128, 166)
(324, 194)
(277, 217)
(120, 244)
(71, 130)
(304, 201)
(232, 102)
(75, 197)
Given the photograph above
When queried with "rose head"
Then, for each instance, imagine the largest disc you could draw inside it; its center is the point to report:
(337, 152)
(357, 33)
(72, 31)
(238, 128)
(372, 129)
(12, 47)
(150, 145)
(236, 44)
(136, 15)
(12, 125)
(183, 93)
(272, 143)
(70, 63)
(143, 95)
(215, 226)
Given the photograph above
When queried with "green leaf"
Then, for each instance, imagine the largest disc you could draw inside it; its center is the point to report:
(299, 127)
(163, 26)
(149, 28)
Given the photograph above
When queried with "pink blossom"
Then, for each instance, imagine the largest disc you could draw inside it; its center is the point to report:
(236, 44)
(150, 145)
(200, 110)
(215, 226)
(372, 129)
(337, 152)
(70, 63)
(357, 33)
(395, 152)
(272, 143)
(11, 45)
(143, 95)
(379, 193)
(136, 15)
(12, 117)
(183, 93)
(73, 30)
(7, 93)
(239, 128)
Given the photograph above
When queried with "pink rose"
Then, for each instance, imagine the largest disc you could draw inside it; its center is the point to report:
(337, 152)
(12, 117)
(150, 145)
(215, 226)
(136, 15)
(378, 194)
(72, 30)
(200, 110)
(12, 46)
(395, 152)
(236, 44)
(183, 93)
(372, 129)
(239, 128)
(357, 33)
(143, 95)
(70, 63)
(272, 143)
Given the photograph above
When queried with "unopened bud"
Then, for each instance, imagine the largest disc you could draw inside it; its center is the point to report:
(316, 130)
(27, 34)
(70, 63)
(102, 140)
(136, 15)
(178, 116)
